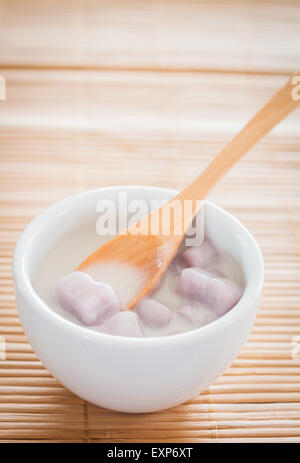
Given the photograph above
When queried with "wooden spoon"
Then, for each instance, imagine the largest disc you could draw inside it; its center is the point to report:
(152, 253)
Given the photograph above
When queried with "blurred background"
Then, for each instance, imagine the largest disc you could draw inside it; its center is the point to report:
(146, 92)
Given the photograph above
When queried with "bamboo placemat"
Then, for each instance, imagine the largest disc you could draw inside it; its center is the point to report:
(150, 102)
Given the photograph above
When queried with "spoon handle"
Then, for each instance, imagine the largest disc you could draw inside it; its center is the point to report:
(276, 109)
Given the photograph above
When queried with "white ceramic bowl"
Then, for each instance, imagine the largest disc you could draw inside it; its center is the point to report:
(132, 374)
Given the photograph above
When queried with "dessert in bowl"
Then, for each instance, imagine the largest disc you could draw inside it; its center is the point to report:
(201, 284)
(164, 365)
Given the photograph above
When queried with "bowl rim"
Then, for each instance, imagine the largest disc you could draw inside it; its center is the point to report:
(22, 279)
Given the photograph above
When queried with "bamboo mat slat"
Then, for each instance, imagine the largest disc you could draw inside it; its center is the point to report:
(231, 35)
(147, 92)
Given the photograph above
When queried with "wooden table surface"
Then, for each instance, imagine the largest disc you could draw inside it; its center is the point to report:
(146, 92)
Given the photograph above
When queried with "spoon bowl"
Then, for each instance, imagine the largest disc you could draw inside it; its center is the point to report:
(122, 373)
